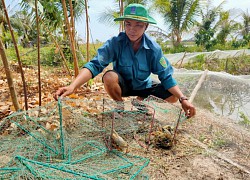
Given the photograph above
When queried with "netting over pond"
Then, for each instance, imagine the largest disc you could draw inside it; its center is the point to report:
(221, 93)
(185, 57)
(72, 139)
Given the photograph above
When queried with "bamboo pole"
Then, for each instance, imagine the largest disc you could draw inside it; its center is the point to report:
(18, 56)
(9, 77)
(121, 13)
(198, 85)
(87, 28)
(38, 55)
(72, 24)
(72, 44)
(72, 20)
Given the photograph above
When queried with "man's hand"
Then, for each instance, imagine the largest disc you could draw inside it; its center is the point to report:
(63, 91)
(188, 108)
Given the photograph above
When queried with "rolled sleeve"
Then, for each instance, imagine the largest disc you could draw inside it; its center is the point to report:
(102, 59)
(94, 67)
(164, 70)
(168, 81)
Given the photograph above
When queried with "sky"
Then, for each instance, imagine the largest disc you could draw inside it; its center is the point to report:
(102, 32)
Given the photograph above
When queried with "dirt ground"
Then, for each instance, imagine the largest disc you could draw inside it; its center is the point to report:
(191, 158)
(208, 146)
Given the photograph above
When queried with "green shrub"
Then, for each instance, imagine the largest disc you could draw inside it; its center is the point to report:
(244, 119)
(197, 63)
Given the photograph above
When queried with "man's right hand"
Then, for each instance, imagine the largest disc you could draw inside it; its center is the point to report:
(63, 91)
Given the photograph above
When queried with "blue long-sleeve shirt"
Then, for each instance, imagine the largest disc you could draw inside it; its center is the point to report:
(135, 68)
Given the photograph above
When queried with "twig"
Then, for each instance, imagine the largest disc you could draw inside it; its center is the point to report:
(181, 60)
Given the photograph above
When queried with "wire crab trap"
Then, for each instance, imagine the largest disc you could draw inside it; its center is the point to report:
(64, 141)
(165, 120)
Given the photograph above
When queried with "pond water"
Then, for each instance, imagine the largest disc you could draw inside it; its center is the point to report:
(221, 93)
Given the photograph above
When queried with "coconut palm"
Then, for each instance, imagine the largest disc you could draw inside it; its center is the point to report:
(246, 23)
(246, 27)
(56, 14)
(109, 14)
(24, 24)
(225, 26)
(179, 15)
(52, 12)
(206, 30)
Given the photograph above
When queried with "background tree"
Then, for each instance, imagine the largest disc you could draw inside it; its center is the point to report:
(52, 14)
(226, 25)
(246, 27)
(6, 37)
(244, 32)
(109, 14)
(179, 16)
(25, 25)
(206, 31)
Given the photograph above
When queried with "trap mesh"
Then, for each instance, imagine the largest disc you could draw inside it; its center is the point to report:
(72, 139)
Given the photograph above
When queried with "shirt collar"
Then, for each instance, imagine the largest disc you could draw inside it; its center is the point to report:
(144, 42)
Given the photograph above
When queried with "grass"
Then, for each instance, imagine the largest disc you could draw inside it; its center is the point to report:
(244, 119)
(235, 65)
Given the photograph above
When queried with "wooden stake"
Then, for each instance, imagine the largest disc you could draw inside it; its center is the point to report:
(71, 38)
(198, 85)
(193, 94)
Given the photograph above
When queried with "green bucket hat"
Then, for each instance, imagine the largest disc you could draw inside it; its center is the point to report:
(136, 12)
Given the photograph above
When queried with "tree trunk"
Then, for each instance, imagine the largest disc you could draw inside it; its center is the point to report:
(72, 44)
(9, 77)
(176, 36)
(178, 39)
(18, 56)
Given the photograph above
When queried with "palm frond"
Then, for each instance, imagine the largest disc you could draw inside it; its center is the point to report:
(192, 10)
(108, 16)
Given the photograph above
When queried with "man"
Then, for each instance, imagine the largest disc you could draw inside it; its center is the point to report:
(134, 56)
